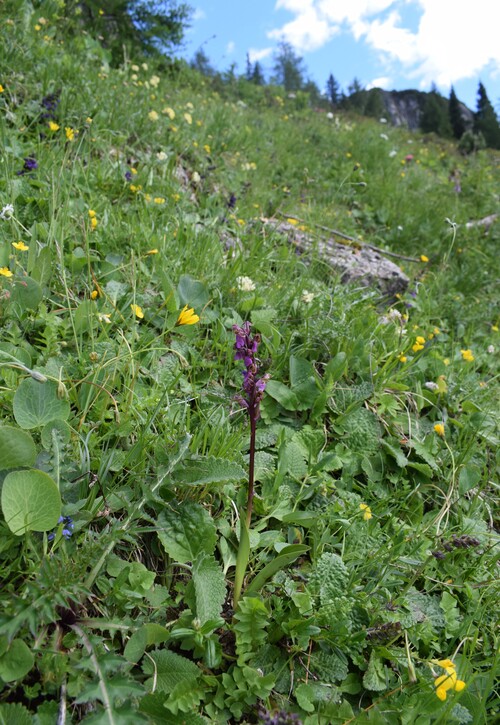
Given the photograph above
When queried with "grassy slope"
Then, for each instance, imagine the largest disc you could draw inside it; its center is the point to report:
(362, 432)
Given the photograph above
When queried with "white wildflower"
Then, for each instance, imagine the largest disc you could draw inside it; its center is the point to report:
(7, 212)
(431, 386)
(245, 284)
(491, 349)
(307, 297)
(384, 136)
(161, 156)
(393, 153)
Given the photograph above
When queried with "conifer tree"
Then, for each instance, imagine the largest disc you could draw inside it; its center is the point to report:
(258, 74)
(457, 122)
(332, 90)
(486, 121)
(434, 115)
(288, 68)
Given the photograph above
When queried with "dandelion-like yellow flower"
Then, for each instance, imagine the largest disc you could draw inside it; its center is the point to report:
(153, 116)
(21, 246)
(420, 340)
(417, 347)
(53, 126)
(187, 316)
(152, 251)
(2, 89)
(439, 429)
(207, 148)
(70, 133)
(402, 358)
(5, 272)
(94, 294)
(367, 512)
(467, 355)
(137, 311)
(424, 258)
(159, 200)
(188, 118)
(92, 213)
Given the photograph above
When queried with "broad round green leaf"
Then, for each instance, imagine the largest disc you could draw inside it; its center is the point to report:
(58, 428)
(36, 404)
(30, 501)
(26, 294)
(16, 662)
(16, 448)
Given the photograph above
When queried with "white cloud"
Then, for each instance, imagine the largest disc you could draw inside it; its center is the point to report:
(198, 14)
(309, 30)
(255, 54)
(230, 47)
(383, 82)
(453, 40)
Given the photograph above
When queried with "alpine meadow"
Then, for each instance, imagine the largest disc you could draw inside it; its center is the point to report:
(240, 481)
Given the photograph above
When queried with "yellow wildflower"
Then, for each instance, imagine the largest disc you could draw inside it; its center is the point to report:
(494, 328)
(402, 358)
(420, 340)
(53, 126)
(417, 347)
(21, 246)
(207, 148)
(187, 316)
(137, 311)
(188, 118)
(92, 213)
(449, 681)
(152, 251)
(159, 200)
(2, 89)
(94, 294)
(467, 355)
(436, 331)
(105, 317)
(439, 429)
(153, 116)
(70, 133)
(423, 258)
(169, 112)
(292, 221)
(5, 272)
(367, 512)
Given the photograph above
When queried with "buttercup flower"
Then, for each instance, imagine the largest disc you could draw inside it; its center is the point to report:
(402, 358)
(159, 200)
(94, 294)
(367, 512)
(5, 272)
(137, 311)
(467, 355)
(70, 133)
(439, 429)
(187, 316)
(423, 258)
(245, 284)
(153, 116)
(20, 246)
(53, 126)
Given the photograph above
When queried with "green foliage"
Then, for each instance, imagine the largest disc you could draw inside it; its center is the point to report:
(371, 553)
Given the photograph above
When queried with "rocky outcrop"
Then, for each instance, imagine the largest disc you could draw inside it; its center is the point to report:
(356, 263)
(405, 108)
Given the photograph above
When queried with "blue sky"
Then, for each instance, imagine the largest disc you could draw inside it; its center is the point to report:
(392, 44)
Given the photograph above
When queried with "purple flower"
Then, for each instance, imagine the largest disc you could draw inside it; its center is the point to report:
(128, 176)
(67, 530)
(246, 346)
(30, 164)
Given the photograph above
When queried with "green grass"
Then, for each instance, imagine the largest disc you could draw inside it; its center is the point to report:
(136, 423)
